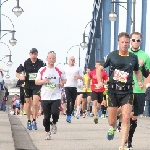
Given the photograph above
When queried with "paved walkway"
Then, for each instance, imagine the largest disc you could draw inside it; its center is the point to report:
(83, 134)
(6, 140)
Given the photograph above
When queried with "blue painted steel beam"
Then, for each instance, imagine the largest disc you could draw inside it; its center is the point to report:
(106, 29)
(129, 16)
(143, 24)
(116, 26)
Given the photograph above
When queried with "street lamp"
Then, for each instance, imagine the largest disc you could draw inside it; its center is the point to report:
(84, 44)
(113, 16)
(13, 41)
(70, 49)
(9, 63)
(17, 10)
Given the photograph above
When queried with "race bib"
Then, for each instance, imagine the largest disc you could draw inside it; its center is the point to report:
(32, 76)
(121, 76)
(51, 85)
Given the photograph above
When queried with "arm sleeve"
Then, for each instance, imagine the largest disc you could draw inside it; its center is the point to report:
(145, 72)
(136, 66)
(20, 69)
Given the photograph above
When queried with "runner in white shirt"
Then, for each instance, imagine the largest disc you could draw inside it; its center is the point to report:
(79, 97)
(72, 73)
(52, 79)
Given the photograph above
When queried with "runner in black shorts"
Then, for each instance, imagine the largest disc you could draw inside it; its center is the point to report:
(32, 91)
(97, 93)
(121, 65)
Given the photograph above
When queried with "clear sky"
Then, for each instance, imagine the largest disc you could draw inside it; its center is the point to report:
(52, 25)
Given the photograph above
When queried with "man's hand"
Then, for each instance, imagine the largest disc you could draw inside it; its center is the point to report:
(76, 77)
(61, 85)
(100, 85)
(140, 85)
(22, 77)
(141, 62)
(46, 80)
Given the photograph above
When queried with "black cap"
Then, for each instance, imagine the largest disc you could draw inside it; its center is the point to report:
(33, 50)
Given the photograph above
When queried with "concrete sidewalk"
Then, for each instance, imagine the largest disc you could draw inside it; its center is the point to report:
(83, 134)
(6, 139)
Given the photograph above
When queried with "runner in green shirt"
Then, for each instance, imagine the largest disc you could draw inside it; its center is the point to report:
(139, 94)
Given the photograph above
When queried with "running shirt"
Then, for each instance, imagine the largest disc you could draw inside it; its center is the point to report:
(17, 102)
(80, 85)
(51, 90)
(30, 69)
(70, 72)
(141, 55)
(92, 75)
(85, 81)
(121, 70)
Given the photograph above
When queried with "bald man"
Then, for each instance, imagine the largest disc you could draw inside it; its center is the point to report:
(52, 79)
(72, 73)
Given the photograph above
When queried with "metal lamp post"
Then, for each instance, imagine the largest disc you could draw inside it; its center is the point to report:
(113, 16)
(79, 53)
(9, 63)
(84, 44)
(17, 11)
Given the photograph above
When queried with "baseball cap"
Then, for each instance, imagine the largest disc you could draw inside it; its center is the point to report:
(33, 50)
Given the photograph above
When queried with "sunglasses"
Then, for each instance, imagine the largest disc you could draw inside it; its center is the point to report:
(72, 60)
(136, 40)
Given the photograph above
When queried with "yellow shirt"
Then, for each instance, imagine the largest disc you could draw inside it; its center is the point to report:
(85, 82)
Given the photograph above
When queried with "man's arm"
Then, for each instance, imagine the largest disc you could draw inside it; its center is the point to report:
(99, 73)
(139, 78)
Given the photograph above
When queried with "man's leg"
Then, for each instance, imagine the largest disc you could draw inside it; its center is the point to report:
(126, 111)
(55, 114)
(46, 105)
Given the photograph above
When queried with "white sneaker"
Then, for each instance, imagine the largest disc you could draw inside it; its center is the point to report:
(48, 136)
(54, 128)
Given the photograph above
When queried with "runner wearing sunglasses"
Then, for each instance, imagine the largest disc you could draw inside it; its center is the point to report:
(139, 94)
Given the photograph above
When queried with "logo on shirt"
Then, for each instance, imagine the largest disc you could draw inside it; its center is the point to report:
(121, 76)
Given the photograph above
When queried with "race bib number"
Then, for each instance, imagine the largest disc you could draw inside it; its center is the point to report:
(121, 76)
(32, 76)
(51, 85)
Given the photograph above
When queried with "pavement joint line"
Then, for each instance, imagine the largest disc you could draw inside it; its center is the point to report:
(21, 137)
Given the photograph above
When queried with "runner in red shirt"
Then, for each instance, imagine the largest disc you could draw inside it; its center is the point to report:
(97, 93)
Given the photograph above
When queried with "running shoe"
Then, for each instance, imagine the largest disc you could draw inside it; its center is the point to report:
(29, 125)
(96, 120)
(68, 119)
(48, 136)
(54, 128)
(129, 145)
(34, 125)
(110, 133)
(123, 148)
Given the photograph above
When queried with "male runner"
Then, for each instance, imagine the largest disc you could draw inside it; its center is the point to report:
(32, 91)
(139, 94)
(121, 64)
(52, 80)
